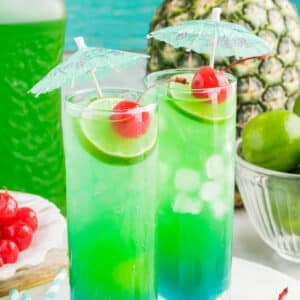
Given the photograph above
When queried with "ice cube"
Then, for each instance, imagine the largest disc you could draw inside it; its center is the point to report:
(211, 191)
(228, 149)
(220, 209)
(215, 167)
(187, 205)
(187, 180)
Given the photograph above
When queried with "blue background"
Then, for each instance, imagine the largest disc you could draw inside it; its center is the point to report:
(119, 24)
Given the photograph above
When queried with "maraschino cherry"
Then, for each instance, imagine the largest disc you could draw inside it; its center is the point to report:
(17, 226)
(206, 78)
(129, 125)
(8, 207)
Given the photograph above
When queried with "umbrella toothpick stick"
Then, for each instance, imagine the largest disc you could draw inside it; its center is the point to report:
(190, 60)
(216, 15)
(98, 89)
(81, 44)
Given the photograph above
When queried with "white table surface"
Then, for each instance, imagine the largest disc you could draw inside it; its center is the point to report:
(249, 281)
(247, 244)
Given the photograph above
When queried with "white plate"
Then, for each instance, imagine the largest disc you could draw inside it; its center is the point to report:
(46, 237)
(250, 281)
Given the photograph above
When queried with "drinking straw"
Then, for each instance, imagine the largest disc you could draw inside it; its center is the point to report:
(52, 291)
(24, 296)
(216, 15)
(81, 45)
(14, 294)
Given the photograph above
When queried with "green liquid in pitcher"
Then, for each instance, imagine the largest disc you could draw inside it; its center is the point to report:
(31, 152)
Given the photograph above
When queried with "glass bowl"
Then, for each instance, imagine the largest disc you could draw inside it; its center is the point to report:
(272, 200)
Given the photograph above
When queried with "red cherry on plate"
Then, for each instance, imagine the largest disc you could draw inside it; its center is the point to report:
(20, 233)
(3, 200)
(28, 216)
(128, 123)
(9, 251)
(1, 262)
(209, 78)
(8, 208)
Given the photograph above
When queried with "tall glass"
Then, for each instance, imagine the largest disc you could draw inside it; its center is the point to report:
(111, 191)
(195, 213)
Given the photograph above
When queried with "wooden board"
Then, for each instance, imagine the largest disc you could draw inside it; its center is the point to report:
(29, 277)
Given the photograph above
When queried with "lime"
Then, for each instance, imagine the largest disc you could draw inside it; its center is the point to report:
(284, 198)
(272, 140)
(297, 169)
(297, 106)
(97, 135)
(183, 99)
(287, 218)
(290, 224)
(131, 275)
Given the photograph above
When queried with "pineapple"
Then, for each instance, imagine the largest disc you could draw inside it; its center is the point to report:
(262, 85)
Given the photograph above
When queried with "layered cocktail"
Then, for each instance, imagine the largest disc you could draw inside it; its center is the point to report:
(111, 170)
(196, 160)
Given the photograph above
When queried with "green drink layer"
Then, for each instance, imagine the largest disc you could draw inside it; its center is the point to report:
(111, 207)
(194, 231)
(31, 152)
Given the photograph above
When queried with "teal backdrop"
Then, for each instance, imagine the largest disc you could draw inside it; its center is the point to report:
(119, 24)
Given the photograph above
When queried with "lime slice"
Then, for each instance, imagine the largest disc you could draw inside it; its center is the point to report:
(206, 111)
(97, 135)
(183, 100)
(179, 91)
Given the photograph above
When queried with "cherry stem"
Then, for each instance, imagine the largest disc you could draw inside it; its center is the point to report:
(157, 83)
(263, 57)
(283, 294)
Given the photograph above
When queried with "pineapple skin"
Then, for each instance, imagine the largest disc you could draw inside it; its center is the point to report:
(262, 85)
